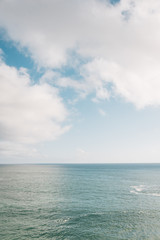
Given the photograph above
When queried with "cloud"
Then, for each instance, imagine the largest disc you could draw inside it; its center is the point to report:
(30, 113)
(17, 150)
(139, 87)
(120, 43)
(102, 112)
(81, 154)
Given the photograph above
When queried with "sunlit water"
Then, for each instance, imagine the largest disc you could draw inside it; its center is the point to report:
(80, 202)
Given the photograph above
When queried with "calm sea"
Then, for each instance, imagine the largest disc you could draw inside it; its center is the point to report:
(80, 202)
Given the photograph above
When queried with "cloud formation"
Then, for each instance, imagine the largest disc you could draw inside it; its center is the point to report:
(121, 42)
(30, 113)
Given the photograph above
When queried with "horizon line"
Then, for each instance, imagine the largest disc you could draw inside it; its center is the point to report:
(77, 163)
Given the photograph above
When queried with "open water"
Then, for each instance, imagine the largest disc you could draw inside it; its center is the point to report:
(65, 202)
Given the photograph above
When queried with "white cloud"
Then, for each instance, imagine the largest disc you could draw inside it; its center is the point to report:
(102, 112)
(17, 150)
(141, 88)
(81, 151)
(29, 113)
(1, 52)
(81, 155)
(121, 41)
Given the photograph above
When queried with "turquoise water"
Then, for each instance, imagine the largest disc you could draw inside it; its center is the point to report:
(80, 202)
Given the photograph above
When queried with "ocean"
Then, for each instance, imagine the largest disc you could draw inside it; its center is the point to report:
(80, 202)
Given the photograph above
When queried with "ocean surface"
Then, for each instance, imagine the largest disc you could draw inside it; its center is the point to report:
(112, 201)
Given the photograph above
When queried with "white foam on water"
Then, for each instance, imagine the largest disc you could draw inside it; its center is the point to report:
(154, 194)
(141, 189)
(133, 192)
(137, 189)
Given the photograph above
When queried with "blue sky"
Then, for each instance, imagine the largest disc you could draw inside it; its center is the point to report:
(80, 81)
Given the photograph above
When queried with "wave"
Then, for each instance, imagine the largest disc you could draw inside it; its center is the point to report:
(137, 189)
(154, 194)
(145, 190)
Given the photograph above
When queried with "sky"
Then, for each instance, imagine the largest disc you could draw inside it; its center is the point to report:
(79, 81)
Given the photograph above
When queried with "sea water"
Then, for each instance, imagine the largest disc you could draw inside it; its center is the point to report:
(110, 201)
